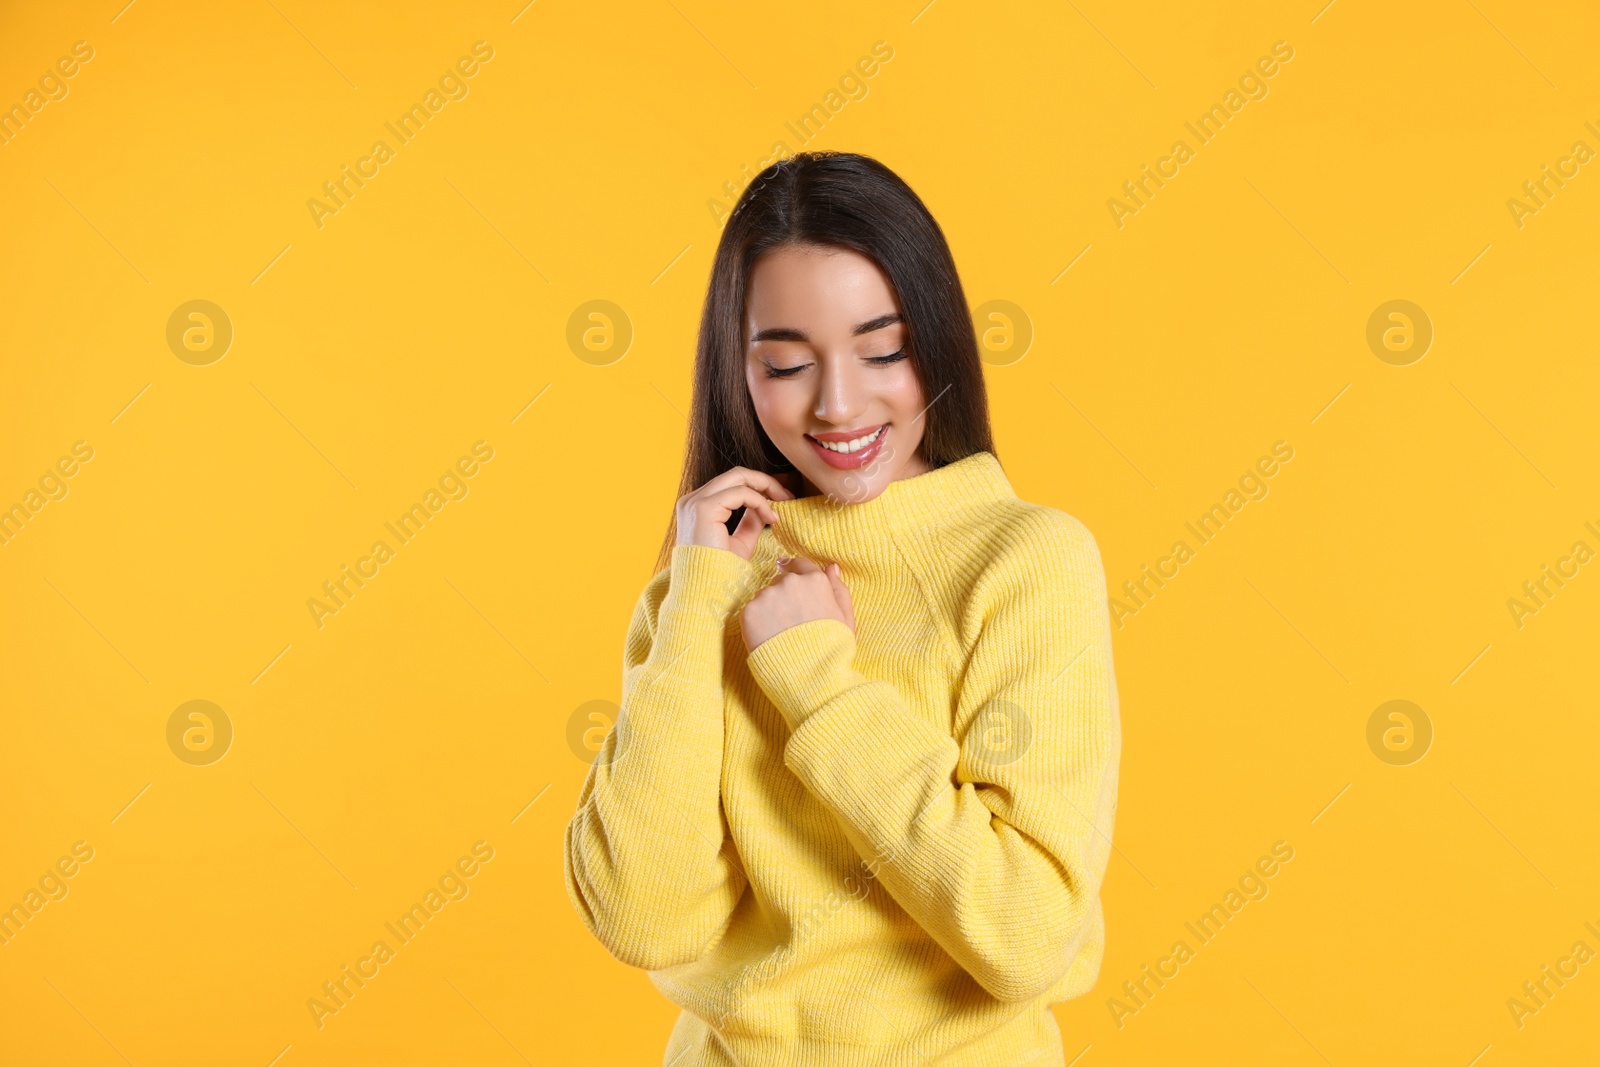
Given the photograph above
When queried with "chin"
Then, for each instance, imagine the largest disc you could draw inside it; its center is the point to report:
(852, 486)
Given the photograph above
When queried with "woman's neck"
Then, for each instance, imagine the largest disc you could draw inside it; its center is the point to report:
(907, 511)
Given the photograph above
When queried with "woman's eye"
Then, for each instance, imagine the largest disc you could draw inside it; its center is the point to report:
(784, 372)
(789, 372)
(893, 357)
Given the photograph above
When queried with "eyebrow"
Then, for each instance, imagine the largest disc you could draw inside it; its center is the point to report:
(789, 333)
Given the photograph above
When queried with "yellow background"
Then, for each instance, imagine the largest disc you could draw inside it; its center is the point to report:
(432, 309)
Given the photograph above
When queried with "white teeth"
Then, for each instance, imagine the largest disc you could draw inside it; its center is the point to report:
(856, 445)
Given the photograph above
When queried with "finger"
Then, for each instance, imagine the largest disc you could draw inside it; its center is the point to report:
(749, 499)
(757, 480)
(765, 484)
(801, 565)
(748, 531)
(841, 593)
(725, 501)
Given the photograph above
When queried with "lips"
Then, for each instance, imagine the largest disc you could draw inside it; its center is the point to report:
(848, 460)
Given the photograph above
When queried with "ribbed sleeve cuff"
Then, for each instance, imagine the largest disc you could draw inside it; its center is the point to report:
(805, 666)
(705, 583)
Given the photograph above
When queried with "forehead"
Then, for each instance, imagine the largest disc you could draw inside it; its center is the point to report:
(820, 288)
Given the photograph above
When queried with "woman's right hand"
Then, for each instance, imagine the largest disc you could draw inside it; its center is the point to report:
(702, 516)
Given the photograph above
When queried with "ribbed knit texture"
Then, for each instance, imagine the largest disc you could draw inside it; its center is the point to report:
(875, 848)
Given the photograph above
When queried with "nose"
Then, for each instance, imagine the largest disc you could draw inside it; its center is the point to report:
(839, 392)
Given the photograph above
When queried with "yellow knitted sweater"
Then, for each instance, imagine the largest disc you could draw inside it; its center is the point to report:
(877, 848)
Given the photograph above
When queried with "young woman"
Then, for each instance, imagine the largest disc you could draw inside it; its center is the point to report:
(858, 803)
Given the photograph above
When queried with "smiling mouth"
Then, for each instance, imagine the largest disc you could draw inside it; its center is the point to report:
(848, 454)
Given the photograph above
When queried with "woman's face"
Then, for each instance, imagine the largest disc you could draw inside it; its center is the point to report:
(826, 363)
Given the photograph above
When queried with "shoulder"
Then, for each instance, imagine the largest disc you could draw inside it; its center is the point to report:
(1040, 528)
(1020, 545)
(1016, 531)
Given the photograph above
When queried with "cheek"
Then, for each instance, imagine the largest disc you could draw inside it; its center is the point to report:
(780, 409)
(903, 392)
(902, 396)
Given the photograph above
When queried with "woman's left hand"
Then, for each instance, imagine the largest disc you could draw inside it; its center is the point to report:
(802, 592)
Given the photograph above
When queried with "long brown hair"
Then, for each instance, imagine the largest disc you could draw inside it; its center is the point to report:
(843, 200)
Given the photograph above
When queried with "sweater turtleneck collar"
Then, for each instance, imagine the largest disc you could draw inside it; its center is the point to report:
(924, 505)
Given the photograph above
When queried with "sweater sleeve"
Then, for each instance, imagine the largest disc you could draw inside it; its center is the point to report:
(650, 865)
(994, 835)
